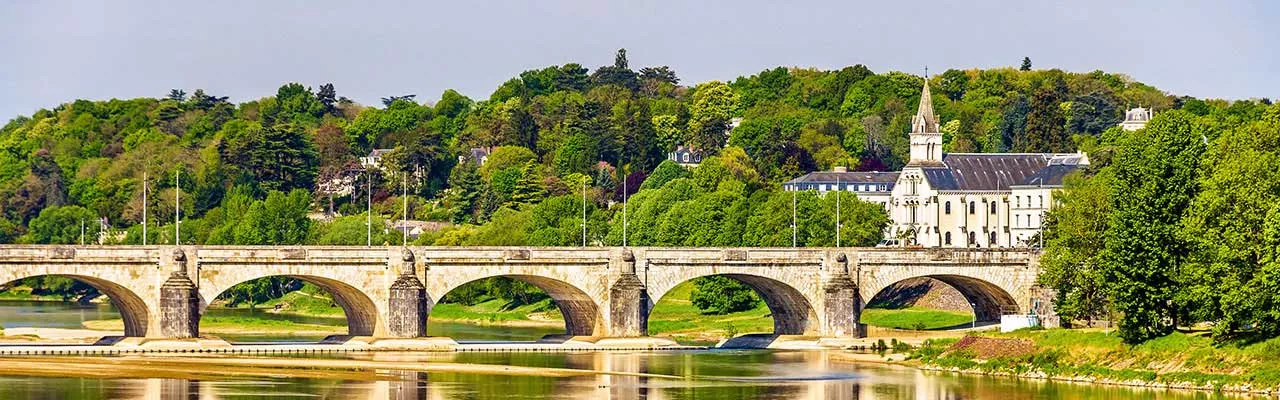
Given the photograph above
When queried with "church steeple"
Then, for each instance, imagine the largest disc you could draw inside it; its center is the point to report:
(926, 138)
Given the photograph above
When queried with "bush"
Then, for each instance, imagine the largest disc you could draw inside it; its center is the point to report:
(722, 295)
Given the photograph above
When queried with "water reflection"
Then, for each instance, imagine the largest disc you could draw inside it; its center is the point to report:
(670, 375)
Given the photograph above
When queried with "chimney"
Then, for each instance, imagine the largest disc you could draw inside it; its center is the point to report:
(840, 169)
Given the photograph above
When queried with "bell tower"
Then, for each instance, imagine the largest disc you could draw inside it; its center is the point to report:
(926, 140)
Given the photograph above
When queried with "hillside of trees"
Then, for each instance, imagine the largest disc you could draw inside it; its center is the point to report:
(1174, 224)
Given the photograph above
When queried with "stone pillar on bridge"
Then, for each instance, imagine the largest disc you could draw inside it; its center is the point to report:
(179, 302)
(407, 310)
(628, 299)
(842, 304)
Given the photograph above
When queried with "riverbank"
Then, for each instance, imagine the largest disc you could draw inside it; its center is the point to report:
(1177, 361)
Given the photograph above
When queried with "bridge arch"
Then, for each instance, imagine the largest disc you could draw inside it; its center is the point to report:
(360, 309)
(133, 310)
(989, 299)
(580, 310)
(793, 311)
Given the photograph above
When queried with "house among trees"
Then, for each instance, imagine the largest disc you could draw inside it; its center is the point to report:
(685, 156)
(374, 159)
(479, 155)
(1136, 118)
(874, 187)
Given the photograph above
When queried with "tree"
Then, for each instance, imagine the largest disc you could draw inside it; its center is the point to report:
(1154, 183)
(61, 225)
(1074, 234)
(504, 157)
(722, 295)
(1046, 131)
(1233, 224)
(953, 84)
(285, 159)
(328, 97)
(1026, 64)
(465, 189)
(713, 105)
(387, 101)
(666, 171)
(617, 74)
(177, 95)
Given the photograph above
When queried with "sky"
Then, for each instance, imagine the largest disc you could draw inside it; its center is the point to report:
(52, 52)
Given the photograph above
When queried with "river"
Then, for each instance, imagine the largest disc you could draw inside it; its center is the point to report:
(713, 374)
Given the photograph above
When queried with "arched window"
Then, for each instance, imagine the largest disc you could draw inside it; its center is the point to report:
(993, 207)
(973, 239)
(993, 239)
(971, 207)
(1017, 201)
(947, 238)
(948, 207)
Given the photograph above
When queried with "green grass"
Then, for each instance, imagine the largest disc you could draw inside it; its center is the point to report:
(1175, 358)
(496, 311)
(917, 318)
(674, 315)
(309, 300)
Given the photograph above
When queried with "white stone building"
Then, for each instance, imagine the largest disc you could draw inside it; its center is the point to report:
(1136, 118)
(962, 199)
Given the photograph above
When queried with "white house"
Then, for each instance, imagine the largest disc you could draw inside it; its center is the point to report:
(1136, 118)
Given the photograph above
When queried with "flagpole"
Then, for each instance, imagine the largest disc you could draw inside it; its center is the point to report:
(177, 207)
(838, 192)
(144, 208)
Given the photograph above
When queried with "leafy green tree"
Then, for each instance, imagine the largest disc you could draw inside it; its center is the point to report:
(667, 171)
(722, 295)
(713, 105)
(1156, 170)
(617, 74)
(1074, 237)
(1046, 124)
(504, 157)
(1232, 275)
(351, 230)
(1026, 64)
(576, 155)
(61, 225)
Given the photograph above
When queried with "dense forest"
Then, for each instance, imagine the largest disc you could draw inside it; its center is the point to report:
(1171, 225)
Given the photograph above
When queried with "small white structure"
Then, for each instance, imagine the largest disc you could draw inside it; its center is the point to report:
(374, 159)
(1136, 118)
(1013, 322)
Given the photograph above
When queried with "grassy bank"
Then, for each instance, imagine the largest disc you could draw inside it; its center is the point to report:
(915, 318)
(1185, 360)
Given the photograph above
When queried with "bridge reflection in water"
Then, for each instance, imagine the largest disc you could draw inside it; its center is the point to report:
(764, 375)
(744, 375)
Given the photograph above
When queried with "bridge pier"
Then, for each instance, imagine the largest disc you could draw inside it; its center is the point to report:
(842, 304)
(179, 302)
(407, 309)
(628, 300)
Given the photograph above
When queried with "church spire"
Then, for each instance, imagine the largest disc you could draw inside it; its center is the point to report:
(926, 138)
(924, 121)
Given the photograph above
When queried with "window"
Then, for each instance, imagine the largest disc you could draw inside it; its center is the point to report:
(1017, 221)
(947, 238)
(686, 157)
(993, 239)
(882, 187)
(993, 207)
(948, 207)
(973, 238)
(971, 207)
(1041, 201)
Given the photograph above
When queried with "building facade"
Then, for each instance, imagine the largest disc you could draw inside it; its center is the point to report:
(1136, 118)
(972, 200)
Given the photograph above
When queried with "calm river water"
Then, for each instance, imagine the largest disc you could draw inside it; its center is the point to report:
(718, 374)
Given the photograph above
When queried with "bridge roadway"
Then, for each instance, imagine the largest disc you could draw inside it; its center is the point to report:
(388, 292)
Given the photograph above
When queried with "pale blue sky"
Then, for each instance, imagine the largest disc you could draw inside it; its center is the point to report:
(56, 51)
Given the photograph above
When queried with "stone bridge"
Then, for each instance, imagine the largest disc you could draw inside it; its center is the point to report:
(161, 292)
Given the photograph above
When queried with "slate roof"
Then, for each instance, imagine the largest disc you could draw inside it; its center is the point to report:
(995, 172)
(1049, 176)
(846, 177)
